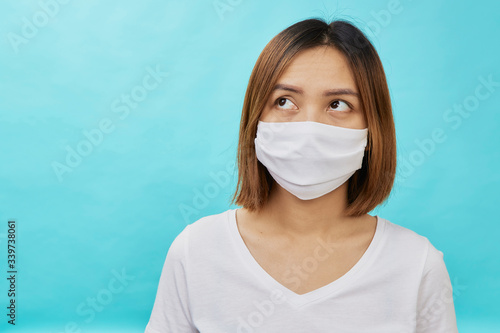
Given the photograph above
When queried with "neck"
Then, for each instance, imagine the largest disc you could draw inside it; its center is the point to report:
(288, 215)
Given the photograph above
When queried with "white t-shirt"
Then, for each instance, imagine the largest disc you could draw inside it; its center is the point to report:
(211, 283)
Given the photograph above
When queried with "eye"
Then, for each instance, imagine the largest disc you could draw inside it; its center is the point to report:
(340, 105)
(282, 101)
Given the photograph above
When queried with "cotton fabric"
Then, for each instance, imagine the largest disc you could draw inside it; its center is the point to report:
(210, 283)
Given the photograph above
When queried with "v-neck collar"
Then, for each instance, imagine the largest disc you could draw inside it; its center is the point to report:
(292, 297)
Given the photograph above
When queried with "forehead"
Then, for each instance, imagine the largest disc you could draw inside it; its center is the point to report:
(320, 67)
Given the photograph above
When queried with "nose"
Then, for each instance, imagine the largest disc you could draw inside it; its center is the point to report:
(313, 113)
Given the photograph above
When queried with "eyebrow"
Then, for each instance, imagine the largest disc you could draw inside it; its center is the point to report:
(330, 92)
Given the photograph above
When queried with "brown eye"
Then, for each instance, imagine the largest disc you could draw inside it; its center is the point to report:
(339, 105)
(281, 102)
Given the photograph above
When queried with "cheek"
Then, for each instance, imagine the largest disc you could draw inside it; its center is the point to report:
(271, 114)
(355, 121)
(264, 116)
(359, 122)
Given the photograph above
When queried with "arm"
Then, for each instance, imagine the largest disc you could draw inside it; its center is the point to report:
(171, 313)
(435, 308)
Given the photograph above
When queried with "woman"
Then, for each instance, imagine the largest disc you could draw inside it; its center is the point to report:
(316, 153)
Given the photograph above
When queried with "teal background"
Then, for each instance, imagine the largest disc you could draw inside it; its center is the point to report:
(168, 159)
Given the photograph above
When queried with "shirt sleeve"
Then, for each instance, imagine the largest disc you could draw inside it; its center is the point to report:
(171, 313)
(435, 308)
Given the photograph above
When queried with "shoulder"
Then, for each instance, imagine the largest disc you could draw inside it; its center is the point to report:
(204, 233)
(209, 225)
(406, 243)
(201, 233)
(400, 236)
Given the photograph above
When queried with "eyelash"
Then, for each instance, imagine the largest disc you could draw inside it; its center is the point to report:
(337, 99)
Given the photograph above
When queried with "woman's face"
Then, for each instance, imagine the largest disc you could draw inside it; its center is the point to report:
(316, 86)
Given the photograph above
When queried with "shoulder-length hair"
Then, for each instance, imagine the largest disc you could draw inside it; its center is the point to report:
(368, 186)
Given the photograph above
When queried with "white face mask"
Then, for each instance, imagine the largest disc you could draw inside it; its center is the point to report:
(307, 158)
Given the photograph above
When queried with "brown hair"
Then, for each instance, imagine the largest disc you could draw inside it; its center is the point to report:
(368, 186)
